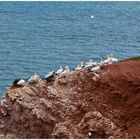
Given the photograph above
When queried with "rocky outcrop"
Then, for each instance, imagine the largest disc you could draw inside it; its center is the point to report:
(72, 106)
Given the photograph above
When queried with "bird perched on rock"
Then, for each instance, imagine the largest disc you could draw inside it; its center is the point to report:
(66, 71)
(34, 79)
(82, 65)
(78, 67)
(50, 76)
(60, 70)
(95, 69)
(110, 59)
(90, 64)
(19, 82)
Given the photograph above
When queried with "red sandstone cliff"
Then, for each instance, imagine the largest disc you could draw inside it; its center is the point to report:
(72, 106)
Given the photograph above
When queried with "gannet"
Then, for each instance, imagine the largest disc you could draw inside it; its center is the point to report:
(96, 68)
(110, 59)
(50, 74)
(60, 70)
(15, 82)
(21, 82)
(90, 63)
(78, 67)
(114, 60)
(67, 70)
(82, 65)
(35, 78)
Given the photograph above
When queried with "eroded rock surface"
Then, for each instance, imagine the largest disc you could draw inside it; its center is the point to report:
(71, 106)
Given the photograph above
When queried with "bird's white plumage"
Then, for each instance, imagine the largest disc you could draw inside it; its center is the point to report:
(110, 59)
(49, 74)
(60, 70)
(92, 16)
(21, 82)
(78, 67)
(35, 78)
(66, 71)
(90, 64)
(96, 68)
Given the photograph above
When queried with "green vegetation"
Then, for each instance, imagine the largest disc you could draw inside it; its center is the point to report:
(135, 58)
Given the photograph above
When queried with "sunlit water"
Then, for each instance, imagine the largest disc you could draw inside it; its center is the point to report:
(41, 36)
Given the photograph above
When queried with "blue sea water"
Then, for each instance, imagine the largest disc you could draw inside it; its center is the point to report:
(41, 36)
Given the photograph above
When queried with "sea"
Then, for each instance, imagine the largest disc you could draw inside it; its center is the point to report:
(38, 37)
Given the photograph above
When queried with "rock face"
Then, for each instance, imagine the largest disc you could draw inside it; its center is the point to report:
(72, 106)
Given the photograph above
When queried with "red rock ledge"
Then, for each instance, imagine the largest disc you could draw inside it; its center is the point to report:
(70, 107)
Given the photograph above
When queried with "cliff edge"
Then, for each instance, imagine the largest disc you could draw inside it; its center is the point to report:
(74, 105)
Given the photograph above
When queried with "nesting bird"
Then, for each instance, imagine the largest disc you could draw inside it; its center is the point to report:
(90, 64)
(50, 76)
(34, 79)
(95, 69)
(78, 68)
(19, 82)
(65, 72)
(60, 70)
(82, 65)
(110, 59)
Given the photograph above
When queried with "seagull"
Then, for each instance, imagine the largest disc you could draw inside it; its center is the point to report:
(82, 65)
(34, 79)
(115, 60)
(60, 70)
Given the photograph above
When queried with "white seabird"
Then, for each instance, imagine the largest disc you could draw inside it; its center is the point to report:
(90, 63)
(78, 67)
(50, 74)
(96, 68)
(35, 78)
(110, 59)
(82, 65)
(92, 16)
(60, 70)
(66, 71)
(21, 82)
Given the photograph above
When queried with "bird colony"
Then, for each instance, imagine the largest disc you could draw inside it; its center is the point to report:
(91, 65)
